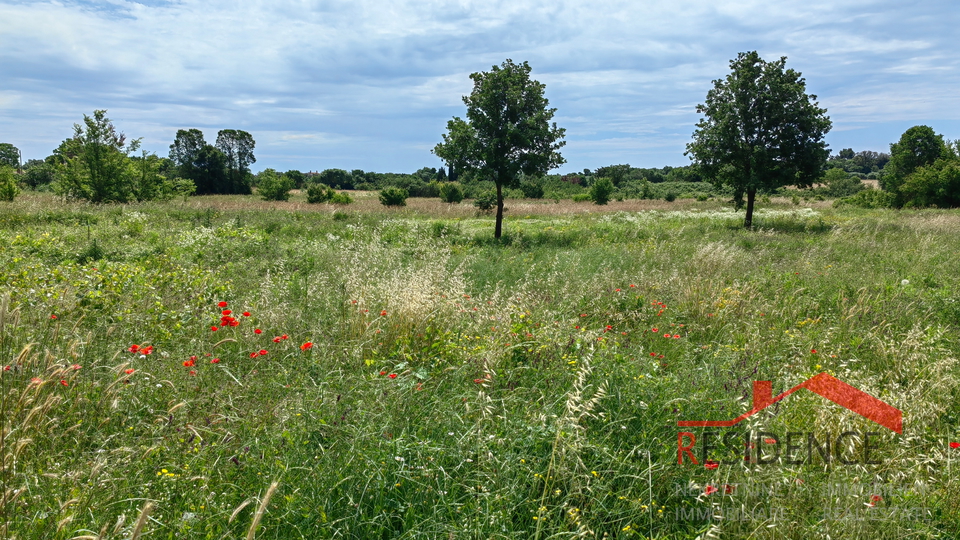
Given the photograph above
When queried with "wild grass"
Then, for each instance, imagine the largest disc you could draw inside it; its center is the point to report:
(460, 387)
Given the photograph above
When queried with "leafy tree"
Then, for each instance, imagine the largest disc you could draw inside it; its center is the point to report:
(918, 147)
(10, 155)
(273, 187)
(146, 181)
(761, 131)
(451, 192)
(507, 131)
(8, 183)
(840, 184)
(600, 191)
(299, 179)
(616, 173)
(532, 188)
(237, 146)
(185, 150)
(336, 178)
(95, 164)
(393, 196)
(38, 173)
(209, 171)
(319, 193)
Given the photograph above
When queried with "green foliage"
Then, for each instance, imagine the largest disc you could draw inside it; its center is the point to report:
(96, 167)
(146, 183)
(272, 186)
(670, 196)
(38, 173)
(336, 178)
(8, 184)
(9, 155)
(341, 198)
(486, 201)
(868, 198)
(918, 147)
(532, 188)
(600, 191)
(237, 148)
(507, 131)
(761, 130)
(393, 196)
(840, 184)
(937, 184)
(319, 193)
(581, 197)
(451, 192)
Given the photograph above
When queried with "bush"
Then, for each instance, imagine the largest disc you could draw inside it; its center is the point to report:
(532, 189)
(273, 187)
(486, 201)
(319, 193)
(393, 196)
(670, 196)
(341, 198)
(451, 192)
(839, 184)
(868, 198)
(600, 191)
(581, 197)
(701, 197)
(8, 185)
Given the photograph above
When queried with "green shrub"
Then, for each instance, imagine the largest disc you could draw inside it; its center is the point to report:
(600, 191)
(319, 193)
(701, 197)
(868, 198)
(8, 184)
(486, 201)
(273, 187)
(840, 184)
(451, 192)
(393, 196)
(532, 189)
(341, 198)
(581, 197)
(670, 196)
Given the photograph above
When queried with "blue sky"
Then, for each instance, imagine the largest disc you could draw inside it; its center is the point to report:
(370, 85)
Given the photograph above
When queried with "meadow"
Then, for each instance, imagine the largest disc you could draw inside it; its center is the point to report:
(224, 367)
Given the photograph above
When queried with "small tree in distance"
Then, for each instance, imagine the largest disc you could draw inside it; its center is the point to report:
(507, 131)
(761, 131)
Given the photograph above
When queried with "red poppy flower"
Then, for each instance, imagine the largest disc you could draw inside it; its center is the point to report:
(478, 381)
(129, 371)
(134, 348)
(383, 313)
(306, 346)
(676, 336)
(147, 350)
(710, 490)
(729, 489)
(189, 363)
(263, 352)
(653, 354)
(6, 368)
(666, 335)
(654, 330)
(254, 354)
(768, 440)
(383, 373)
(246, 313)
(64, 382)
(711, 464)
(955, 445)
(632, 285)
(257, 331)
(226, 312)
(284, 337)
(215, 361)
(276, 339)
(813, 351)
(618, 290)
(213, 328)
(53, 316)
(392, 375)
(222, 304)
(193, 373)
(875, 498)
(76, 367)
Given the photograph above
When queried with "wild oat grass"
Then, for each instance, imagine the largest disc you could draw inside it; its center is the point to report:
(412, 377)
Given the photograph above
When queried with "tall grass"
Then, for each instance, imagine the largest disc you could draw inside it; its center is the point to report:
(457, 386)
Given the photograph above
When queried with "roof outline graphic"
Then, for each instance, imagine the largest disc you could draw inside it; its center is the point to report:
(826, 386)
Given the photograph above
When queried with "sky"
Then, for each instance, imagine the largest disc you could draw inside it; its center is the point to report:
(370, 85)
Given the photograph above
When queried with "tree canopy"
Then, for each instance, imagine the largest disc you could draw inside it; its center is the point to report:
(9, 155)
(507, 131)
(761, 130)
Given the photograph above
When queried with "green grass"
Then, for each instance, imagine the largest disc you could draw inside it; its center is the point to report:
(531, 397)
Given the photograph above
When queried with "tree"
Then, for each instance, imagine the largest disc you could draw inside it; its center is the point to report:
(272, 186)
(237, 146)
(186, 149)
(600, 191)
(210, 171)
(918, 147)
(10, 155)
(95, 163)
(8, 184)
(761, 131)
(507, 131)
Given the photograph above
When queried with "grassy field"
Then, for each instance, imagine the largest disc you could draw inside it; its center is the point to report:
(225, 367)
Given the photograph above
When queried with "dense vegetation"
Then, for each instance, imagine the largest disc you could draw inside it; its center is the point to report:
(383, 373)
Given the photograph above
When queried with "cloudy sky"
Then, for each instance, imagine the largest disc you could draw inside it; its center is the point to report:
(368, 84)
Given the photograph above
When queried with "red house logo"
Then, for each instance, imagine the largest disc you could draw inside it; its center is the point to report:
(825, 385)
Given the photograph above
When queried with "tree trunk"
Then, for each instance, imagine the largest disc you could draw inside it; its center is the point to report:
(499, 228)
(751, 197)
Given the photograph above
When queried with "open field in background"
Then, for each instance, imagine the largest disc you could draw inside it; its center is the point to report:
(415, 378)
